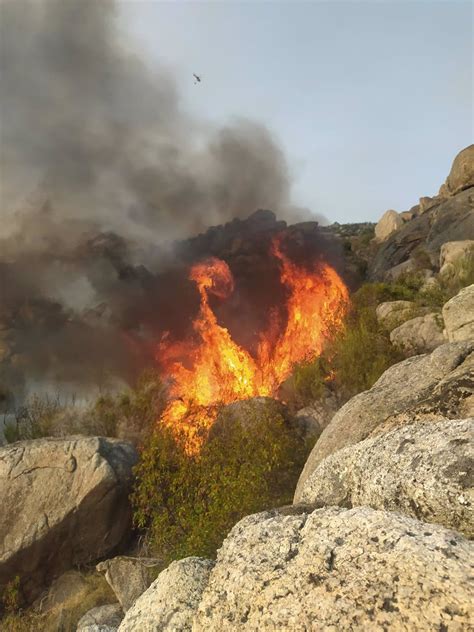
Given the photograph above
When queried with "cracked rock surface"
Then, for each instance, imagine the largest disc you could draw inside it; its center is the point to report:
(171, 601)
(65, 502)
(410, 384)
(423, 470)
(336, 569)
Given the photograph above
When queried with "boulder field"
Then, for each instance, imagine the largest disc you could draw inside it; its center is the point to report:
(414, 385)
(416, 239)
(378, 537)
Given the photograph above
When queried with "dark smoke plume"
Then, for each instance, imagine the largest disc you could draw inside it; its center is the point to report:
(100, 165)
(107, 139)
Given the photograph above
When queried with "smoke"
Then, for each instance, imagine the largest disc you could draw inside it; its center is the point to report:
(107, 139)
(100, 164)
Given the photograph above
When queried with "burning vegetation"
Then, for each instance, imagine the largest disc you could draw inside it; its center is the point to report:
(210, 368)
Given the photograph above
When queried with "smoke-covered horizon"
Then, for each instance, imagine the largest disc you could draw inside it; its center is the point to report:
(101, 168)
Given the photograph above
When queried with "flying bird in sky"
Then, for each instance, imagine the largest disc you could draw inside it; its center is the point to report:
(197, 78)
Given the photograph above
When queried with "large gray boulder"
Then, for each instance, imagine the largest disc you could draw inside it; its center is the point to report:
(461, 175)
(387, 224)
(451, 398)
(171, 601)
(421, 334)
(404, 386)
(65, 503)
(337, 569)
(101, 619)
(129, 577)
(458, 315)
(423, 470)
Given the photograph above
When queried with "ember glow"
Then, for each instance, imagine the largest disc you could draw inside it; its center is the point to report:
(211, 369)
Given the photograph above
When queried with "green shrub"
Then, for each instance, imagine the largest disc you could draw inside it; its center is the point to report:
(22, 622)
(10, 596)
(34, 420)
(189, 503)
(130, 415)
(434, 296)
(358, 354)
(309, 381)
(370, 295)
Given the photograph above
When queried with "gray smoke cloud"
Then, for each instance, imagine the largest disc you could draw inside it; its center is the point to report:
(107, 139)
(99, 165)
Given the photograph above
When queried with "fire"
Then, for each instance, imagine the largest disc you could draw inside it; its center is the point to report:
(212, 369)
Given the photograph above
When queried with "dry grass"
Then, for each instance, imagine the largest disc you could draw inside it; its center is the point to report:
(64, 616)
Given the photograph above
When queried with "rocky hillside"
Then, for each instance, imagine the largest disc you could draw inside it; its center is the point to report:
(379, 534)
(412, 240)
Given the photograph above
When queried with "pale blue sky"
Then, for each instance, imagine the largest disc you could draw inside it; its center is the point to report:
(370, 101)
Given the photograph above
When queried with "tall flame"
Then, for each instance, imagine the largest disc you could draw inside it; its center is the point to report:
(212, 369)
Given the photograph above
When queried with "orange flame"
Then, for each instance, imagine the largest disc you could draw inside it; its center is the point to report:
(219, 371)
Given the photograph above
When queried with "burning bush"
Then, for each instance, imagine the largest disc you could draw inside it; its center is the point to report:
(357, 355)
(188, 502)
(210, 368)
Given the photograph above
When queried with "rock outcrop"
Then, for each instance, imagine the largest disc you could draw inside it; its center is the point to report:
(450, 220)
(129, 577)
(427, 202)
(422, 470)
(65, 502)
(447, 217)
(452, 253)
(387, 224)
(451, 398)
(461, 175)
(458, 315)
(426, 381)
(391, 314)
(172, 599)
(419, 335)
(337, 569)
